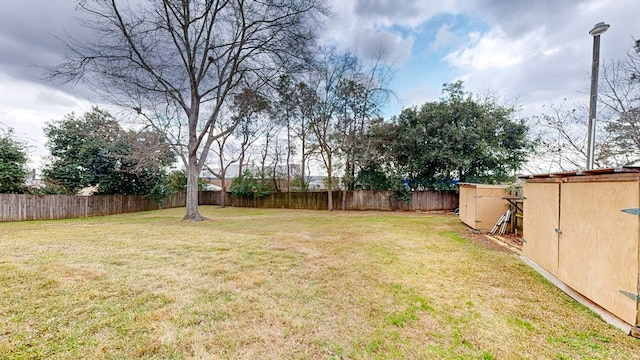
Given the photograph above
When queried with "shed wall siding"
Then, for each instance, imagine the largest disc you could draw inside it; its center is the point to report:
(540, 221)
(598, 247)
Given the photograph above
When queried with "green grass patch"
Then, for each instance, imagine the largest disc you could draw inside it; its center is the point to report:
(281, 284)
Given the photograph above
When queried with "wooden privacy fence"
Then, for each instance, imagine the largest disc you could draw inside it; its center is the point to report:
(355, 200)
(19, 207)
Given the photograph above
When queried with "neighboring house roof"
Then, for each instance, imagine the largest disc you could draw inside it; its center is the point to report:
(34, 180)
(88, 191)
(232, 172)
(217, 183)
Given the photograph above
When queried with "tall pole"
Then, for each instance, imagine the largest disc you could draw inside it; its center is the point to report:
(597, 30)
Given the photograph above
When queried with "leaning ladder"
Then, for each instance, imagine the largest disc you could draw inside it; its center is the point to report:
(502, 222)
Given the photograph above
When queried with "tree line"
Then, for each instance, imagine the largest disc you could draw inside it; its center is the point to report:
(459, 137)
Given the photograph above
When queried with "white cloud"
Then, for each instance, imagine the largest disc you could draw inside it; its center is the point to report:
(371, 43)
(493, 50)
(591, 6)
(366, 25)
(403, 13)
(27, 106)
(545, 58)
(444, 38)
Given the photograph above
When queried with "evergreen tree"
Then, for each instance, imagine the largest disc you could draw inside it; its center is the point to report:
(13, 160)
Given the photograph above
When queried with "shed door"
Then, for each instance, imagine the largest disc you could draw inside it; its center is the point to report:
(598, 248)
(471, 206)
(462, 206)
(467, 206)
(541, 220)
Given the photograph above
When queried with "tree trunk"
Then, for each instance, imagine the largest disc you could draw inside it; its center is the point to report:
(192, 190)
(241, 159)
(223, 182)
(303, 165)
(330, 184)
(344, 187)
(288, 164)
(240, 165)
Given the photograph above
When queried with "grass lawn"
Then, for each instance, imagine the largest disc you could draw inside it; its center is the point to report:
(278, 284)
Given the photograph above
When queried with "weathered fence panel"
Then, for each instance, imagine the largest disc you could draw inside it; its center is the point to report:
(434, 200)
(294, 200)
(18, 207)
(355, 200)
(213, 198)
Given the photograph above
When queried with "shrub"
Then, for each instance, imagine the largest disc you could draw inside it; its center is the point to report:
(247, 185)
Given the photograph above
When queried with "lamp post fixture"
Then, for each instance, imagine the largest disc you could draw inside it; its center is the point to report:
(597, 30)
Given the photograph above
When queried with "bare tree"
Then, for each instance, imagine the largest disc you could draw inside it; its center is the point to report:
(268, 151)
(185, 59)
(294, 110)
(306, 98)
(226, 154)
(361, 96)
(562, 131)
(561, 139)
(286, 112)
(232, 147)
(561, 143)
(620, 96)
(332, 69)
(251, 107)
(348, 95)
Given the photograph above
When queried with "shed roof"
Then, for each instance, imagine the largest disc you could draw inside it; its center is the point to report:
(626, 170)
(497, 186)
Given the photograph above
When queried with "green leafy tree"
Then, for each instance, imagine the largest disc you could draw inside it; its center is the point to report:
(249, 186)
(94, 150)
(377, 171)
(372, 177)
(458, 137)
(13, 160)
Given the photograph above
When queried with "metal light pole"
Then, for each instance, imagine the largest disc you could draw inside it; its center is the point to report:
(597, 30)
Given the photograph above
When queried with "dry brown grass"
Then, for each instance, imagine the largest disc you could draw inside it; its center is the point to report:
(281, 284)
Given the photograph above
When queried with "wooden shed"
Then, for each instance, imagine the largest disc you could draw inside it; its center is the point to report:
(583, 228)
(481, 205)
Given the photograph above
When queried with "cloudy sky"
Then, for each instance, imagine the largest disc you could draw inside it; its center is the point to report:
(535, 51)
